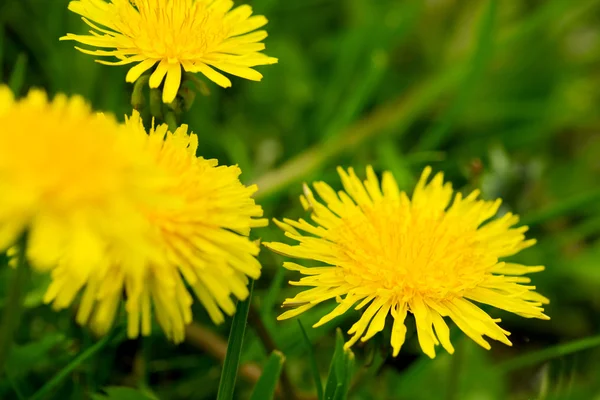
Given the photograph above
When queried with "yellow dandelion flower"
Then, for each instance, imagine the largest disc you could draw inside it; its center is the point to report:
(200, 227)
(433, 255)
(68, 179)
(196, 35)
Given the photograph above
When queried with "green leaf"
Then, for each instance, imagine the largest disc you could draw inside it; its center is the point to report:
(340, 371)
(341, 392)
(265, 387)
(23, 358)
(562, 208)
(1, 47)
(234, 348)
(560, 350)
(313, 362)
(12, 310)
(483, 52)
(64, 373)
(17, 76)
(121, 393)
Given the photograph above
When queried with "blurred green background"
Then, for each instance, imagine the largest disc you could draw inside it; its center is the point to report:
(500, 95)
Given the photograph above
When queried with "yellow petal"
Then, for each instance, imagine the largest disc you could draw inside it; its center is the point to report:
(172, 83)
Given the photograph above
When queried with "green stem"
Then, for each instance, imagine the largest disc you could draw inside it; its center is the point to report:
(394, 117)
(540, 356)
(15, 387)
(14, 302)
(64, 373)
(255, 320)
(234, 348)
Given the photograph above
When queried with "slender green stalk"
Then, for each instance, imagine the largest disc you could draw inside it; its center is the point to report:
(266, 385)
(313, 362)
(17, 76)
(432, 138)
(537, 357)
(398, 114)
(255, 320)
(562, 208)
(14, 302)
(15, 387)
(64, 373)
(234, 348)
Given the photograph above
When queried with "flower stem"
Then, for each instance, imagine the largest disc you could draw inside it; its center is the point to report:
(14, 302)
(256, 322)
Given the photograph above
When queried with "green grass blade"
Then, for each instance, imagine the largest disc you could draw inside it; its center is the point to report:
(15, 387)
(483, 52)
(271, 297)
(64, 373)
(17, 76)
(394, 118)
(574, 203)
(1, 48)
(265, 387)
(234, 348)
(337, 369)
(560, 350)
(344, 374)
(121, 393)
(312, 361)
(11, 314)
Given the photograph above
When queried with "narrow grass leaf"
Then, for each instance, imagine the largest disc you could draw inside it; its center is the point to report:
(234, 348)
(354, 81)
(344, 376)
(15, 387)
(565, 207)
(24, 358)
(121, 393)
(271, 297)
(1, 47)
(314, 369)
(394, 118)
(265, 387)
(17, 76)
(483, 52)
(338, 379)
(11, 313)
(64, 373)
(537, 357)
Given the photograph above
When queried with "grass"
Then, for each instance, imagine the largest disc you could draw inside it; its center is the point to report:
(500, 95)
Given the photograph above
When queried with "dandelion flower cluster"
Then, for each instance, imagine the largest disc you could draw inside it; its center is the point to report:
(434, 255)
(112, 211)
(193, 35)
(202, 231)
(68, 177)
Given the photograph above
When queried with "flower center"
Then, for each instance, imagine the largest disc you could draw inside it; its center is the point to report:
(395, 248)
(177, 30)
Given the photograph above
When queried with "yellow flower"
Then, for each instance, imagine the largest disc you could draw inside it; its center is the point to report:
(196, 35)
(200, 227)
(68, 179)
(112, 211)
(429, 255)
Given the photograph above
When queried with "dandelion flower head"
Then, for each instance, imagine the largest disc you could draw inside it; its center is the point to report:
(434, 255)
(200, 227)
(193, 35)
(68, 179)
